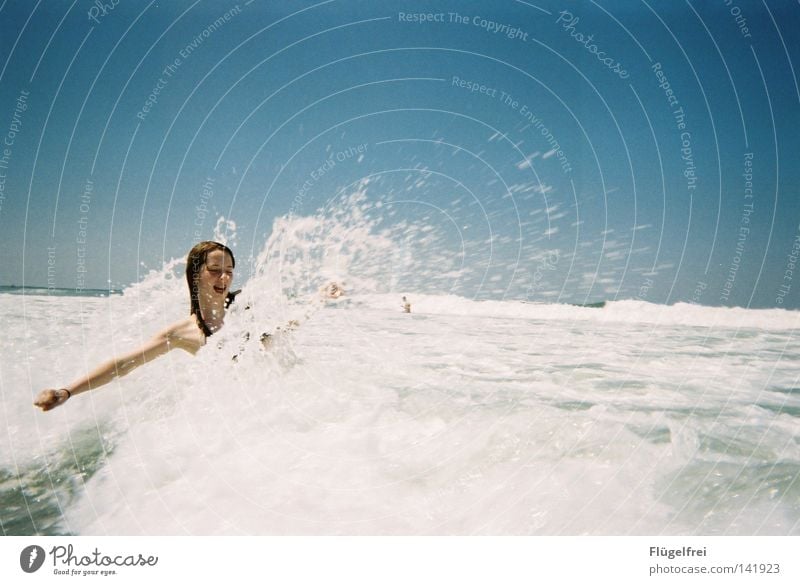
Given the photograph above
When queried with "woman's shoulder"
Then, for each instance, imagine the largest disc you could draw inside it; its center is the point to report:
(184, 332)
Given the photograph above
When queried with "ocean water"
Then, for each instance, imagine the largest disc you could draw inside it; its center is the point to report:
(463, 417)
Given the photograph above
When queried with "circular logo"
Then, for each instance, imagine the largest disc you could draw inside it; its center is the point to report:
(31, 558)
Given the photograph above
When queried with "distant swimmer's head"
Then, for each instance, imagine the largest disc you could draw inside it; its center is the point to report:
(209, 273)
(333, 290)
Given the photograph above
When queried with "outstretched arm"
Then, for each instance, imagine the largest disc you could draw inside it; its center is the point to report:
(114, 368)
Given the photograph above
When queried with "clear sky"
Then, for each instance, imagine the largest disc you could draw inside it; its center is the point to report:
(601, 150)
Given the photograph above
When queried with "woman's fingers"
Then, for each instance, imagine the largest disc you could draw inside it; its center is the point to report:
(49, 399)
(46, 399)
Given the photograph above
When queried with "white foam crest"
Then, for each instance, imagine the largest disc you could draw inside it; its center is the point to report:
(627, 311)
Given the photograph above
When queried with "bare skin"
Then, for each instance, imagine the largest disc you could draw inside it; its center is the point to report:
(213, 284)
(332, 290)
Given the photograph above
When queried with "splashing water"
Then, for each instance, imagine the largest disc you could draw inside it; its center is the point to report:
(461, 417)
(225, 231)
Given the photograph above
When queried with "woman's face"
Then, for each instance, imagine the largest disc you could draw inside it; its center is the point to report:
(214, 279)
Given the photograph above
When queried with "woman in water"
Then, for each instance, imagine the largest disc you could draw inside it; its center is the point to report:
(209, 272)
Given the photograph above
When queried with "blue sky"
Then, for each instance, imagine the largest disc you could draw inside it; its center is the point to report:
(588, 179)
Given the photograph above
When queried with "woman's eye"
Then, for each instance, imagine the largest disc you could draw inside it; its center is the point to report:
(219, 271)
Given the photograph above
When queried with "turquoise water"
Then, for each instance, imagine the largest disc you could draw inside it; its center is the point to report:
(456, 419)
(34, 494)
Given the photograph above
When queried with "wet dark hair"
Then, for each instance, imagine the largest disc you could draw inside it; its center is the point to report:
(194, 263)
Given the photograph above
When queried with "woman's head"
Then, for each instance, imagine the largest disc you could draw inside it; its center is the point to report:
(209, 271)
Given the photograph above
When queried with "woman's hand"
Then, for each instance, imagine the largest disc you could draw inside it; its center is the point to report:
(49, 399)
